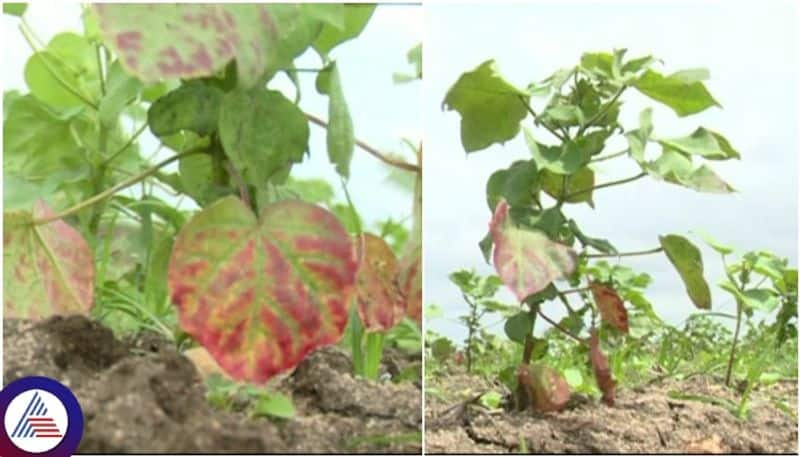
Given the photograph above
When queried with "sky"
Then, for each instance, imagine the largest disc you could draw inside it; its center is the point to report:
(750, 50)
(383, 112)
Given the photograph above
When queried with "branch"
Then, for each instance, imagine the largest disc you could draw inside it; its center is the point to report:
(126, 146)
(562, 329)
(109, 192)
(609, 157)
(603, 111)
(381, 156)
(608, 184)
(625, 254)
(536, 118)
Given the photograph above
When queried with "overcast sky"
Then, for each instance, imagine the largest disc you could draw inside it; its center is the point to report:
(751, 52)
(382, 112)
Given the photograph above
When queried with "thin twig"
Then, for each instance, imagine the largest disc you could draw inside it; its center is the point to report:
(381, 156)
(609, 157)
(603, 111)
(574, 291)
(126, 146)
(625, 254)
(608, 184)
(536, 118)
(562, 329)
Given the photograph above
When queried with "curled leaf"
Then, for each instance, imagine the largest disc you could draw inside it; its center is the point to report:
(602, 372)
(48, 269)
(610, 305)
(546, 388)
(261, 293)
(381, 304)
(526, 260)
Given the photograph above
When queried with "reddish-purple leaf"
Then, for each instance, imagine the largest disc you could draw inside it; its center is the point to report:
(189, 40)
(610, 305)
(602, 372)
(410, 280)
(525, 259)
(546, 388)
(261, 293)
(381, 304)
(48, 269)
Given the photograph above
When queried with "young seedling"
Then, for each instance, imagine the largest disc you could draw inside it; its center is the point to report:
(531, 240)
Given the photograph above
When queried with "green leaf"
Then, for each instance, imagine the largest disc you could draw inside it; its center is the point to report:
(196, 173)
(414, 58)
(121, 89)
(442, 348)
(601, 244)
(761, 299)
(340, 137)
(564, 159)
(517, 184)
(263, 133)
(573, 377)
(312, 190)
(356, 17)
(155, 283)
(677, 168)
(704, 143)
(599, 63)
(491, 399)
(274, 404)
(716, 245)
(14, 9)
(635, 65)
(519, 326)
(260, 293)
(194, 106)
(553, 185)
(48, 269)
(637, 139)
(688, 261)
(526, 260)
(72, 58)
(491, 108)
(684, 97)
(485, 246)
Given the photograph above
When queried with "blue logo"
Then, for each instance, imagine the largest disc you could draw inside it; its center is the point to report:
(41, 417)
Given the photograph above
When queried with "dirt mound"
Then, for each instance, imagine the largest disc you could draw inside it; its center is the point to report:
(143, 396)
(644, 420)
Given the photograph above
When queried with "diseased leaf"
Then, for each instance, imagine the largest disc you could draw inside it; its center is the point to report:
(263, 133)
(526, 260)
(194, 106)
(356, 17)
(545, 387)
(602, 371)
(340, 138)
(169, 41)
(48, 269)
(684, 96)
(491, 108)
(381, 304)
(704, 143)
(261, 293)
(610, 305)
(688, 260)
(677, 168)
(410, 280)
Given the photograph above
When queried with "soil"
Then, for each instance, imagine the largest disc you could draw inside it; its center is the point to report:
(644, 420)
(142, 396)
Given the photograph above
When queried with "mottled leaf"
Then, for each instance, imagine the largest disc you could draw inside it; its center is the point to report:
(261, 293)
(48, 269)
(610, 305)
(491, 108)
(340, 137)
(356, 17)
(410, 280)
(688, 260)
(167, 41)
(684, 96)
(675, 167)
(602, 371)
(545, 387)
(194, 106)
(263, 133)
(704, 143)
(381, 304)
(526, 260)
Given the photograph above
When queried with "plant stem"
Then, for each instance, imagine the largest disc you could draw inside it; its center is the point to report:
(56, 76)
(732, 356)
(607, 184)
(625, 254)
(376, 153)
(536, 118)
(372, 363)
(609, 157)
(109, 192)
(99, 55)
(562, 329)
(574, 291)
(356, 335)
(602, 111)
(127, 144)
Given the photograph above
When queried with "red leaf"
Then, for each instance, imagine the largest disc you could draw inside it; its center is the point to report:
(48, 269)
(260, 294)
(410, 280)
(547, 390)
(381, 304)
(602, 372)
(610, 305)
(526, 260)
